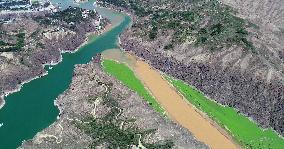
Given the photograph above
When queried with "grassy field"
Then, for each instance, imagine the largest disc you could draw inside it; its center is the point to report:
(128, 78)
(244, 131)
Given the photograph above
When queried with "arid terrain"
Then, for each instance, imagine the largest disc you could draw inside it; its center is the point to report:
(234, 56)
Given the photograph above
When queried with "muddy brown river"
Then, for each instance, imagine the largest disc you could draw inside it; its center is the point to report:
(175, 104)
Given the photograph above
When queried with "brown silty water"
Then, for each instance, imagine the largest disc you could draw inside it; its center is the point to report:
(176, 106)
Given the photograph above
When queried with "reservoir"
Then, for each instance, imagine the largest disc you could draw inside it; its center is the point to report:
(32, 108)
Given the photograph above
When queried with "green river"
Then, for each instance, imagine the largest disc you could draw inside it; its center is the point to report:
(32, 108)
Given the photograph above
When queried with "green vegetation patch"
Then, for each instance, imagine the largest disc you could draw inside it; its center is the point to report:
(70, 15)
(128, 78)
(134, 5)
(209, 23)
(8, 47)
(109, 131)
(244, 131)
(213, 25)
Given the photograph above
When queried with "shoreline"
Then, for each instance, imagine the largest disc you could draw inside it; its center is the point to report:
(107, 28)
(19, 86)
(204, 121)
(2, 101)
(60, 108)
(227, 131)
(218, 131)
(81, 96)
(224, 131)
(221, 128)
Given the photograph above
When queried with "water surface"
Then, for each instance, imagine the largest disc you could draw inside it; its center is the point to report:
(32, 108)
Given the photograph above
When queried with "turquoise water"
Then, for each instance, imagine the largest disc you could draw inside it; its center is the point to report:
(32, 108)
(66, 3)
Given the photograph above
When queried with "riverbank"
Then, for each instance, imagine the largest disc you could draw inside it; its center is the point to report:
(2, 101)
(247, 132)
(230, 123)
(233, 125)
(79, 103)
(24, 114)
(178, 109)
(81, 100)
(251, 81)
(18, 87)
(128, 78)
(29, 64)
(183, 113)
